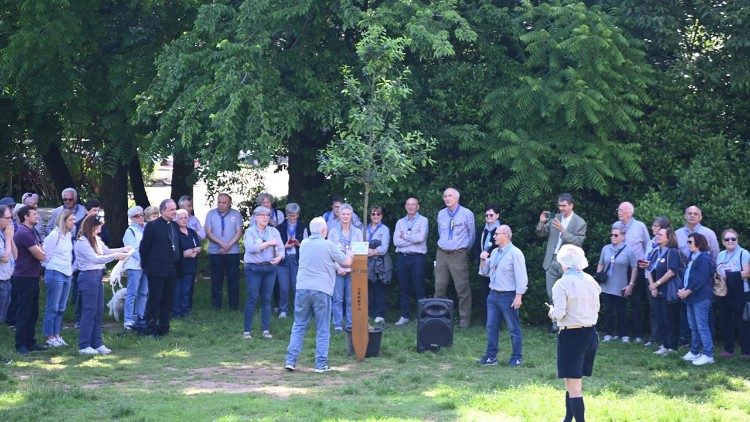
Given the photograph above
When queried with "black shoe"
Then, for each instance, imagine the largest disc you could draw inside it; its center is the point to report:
(23, 350)
(38, 348)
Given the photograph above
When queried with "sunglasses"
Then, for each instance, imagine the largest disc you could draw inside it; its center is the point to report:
(614, 235)
(137, 215)
(375, 213)
(730, 239)
(69, 199)
(489, 215)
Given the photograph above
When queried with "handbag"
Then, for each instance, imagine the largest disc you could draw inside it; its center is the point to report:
(602, 276)
(720, 286)
(746, 312)
(673, 286)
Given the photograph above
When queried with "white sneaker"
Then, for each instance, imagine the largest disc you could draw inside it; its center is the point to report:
(246, 335)
(267, 334)
(402, 321)
(703, 360)
(379, 320)
(638, 340)
(607, 338)
(625, 339)
(282, 315)
(662, 351)
(88, 351)
(103, 350)
(52, 342)
(690, 357)
(61, 341)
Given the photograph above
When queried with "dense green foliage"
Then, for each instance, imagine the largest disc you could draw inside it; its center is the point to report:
(611, 100)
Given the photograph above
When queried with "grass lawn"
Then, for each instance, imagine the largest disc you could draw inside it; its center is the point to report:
(204, 370)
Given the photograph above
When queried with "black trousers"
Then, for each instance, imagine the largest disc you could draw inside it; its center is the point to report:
(27, 310)
(159, 303)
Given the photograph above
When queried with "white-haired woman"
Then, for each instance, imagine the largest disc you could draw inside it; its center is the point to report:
(343, 235)
(190, 246)
(135, 299)
(575, 307)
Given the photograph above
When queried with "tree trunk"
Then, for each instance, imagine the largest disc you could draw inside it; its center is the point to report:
(115, 202)
(183, 169)
(365, 214)
(54, 161)
(304, 177)
(136, 182)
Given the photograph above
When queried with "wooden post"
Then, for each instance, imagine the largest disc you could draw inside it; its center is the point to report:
(360, 332)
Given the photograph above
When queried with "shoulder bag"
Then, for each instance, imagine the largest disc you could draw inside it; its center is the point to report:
(601, 276)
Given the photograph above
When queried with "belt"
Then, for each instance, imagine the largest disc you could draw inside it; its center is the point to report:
(573, 327)
(260, 263)
(503, 291)
(409, 253)
(453, 251)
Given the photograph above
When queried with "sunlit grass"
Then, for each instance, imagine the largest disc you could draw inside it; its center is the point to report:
(204, 371)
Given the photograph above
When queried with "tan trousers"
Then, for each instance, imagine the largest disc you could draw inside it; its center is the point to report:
(454, 265)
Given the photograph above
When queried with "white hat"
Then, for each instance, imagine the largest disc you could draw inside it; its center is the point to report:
(571, 256)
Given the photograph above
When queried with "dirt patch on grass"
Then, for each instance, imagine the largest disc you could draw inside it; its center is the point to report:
(243, 379)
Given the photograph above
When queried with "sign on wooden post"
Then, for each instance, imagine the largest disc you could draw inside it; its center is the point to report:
(360, 334)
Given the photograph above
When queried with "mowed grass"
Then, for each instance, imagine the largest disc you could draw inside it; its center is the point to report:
(204, 370)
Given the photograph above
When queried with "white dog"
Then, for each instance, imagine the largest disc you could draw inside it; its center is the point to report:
(117, 303)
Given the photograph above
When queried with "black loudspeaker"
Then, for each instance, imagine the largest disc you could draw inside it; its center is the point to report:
(435, 324)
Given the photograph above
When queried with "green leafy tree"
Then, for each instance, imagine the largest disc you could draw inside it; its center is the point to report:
(370, 150)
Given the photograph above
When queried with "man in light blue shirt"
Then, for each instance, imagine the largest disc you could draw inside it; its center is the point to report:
(456, 235)
(636, 238)
(693, 217)
(315, 281)
(506, 267)
(223, 231)
(70, 202)
(410, 240)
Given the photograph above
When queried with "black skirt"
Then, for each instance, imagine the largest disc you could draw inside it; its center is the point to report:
(576, 350)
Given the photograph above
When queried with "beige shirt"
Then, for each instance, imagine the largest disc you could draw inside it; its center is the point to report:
(576, 299)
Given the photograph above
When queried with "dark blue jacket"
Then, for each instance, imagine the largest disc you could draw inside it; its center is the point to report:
(700, 282)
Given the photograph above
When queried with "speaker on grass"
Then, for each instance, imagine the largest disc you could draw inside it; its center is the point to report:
(435, 324)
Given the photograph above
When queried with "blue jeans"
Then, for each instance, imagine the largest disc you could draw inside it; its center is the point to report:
(58, 288)
(700, 331)
(260, 279)
(135, 299)
(220, 265)
(342, 293)
(308, 304)
(498, 305)
(91, 292)
(410, 272)
(287, 280)
(181, 306)
(6, 288)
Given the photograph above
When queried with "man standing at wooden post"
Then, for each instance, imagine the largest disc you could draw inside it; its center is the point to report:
(456, 231)
(315, 282)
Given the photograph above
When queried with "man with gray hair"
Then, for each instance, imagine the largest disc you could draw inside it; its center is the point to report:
(160, 256)
(317, 272)
(506, 267)
(456, 230)
(291, 235)
(70, 202)
(223, 230)
(636, 238)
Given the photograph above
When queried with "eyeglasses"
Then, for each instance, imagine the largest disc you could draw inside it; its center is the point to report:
(730, 239)
(69, 199)
(690, 242)
(137, 215)
(375, 213)
(489, 215)
(614, 235)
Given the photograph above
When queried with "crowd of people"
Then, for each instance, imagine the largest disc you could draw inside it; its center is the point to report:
(658, 287)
